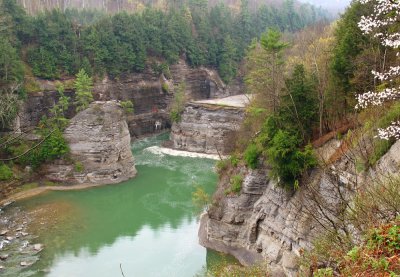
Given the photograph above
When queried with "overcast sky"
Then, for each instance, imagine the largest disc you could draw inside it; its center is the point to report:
(330, 4)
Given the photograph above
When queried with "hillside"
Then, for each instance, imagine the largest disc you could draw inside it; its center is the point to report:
(114, 6)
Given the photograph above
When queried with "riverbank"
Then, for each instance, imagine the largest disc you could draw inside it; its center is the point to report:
(147, 220)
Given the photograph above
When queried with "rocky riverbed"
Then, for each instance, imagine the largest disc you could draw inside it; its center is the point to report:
(18, 248)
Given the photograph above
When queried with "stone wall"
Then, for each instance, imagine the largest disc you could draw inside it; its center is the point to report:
(268, 223)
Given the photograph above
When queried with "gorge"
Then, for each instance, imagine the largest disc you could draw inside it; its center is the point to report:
(199, 138)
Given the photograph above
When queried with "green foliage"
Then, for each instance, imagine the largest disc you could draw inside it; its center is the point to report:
(83, 85)
(380, 148)
(5, 173)
(165, 87)
(324, 272)
(11, 69)
(378, 255)
(288, 162)
(251, 155)
(60, 43)
(200, 198)
(127, 106)
(234, 160)
(178, 103)
(222, 165)
(227, 64)
(58, 111)
(79, 167)
(53, 147)
(373, 215)
(8, 108)
(235, 184)
(299, 107)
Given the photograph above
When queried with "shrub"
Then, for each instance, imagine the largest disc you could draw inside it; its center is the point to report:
(53, 147)
(234, 159)
(378, 255)
(251, 155)
(380, 148)
(5, 173)
(165, 87)
(200, 198)
(178, 104)
(288, 162)
(235, 184)
(79, 167)
(221, 165)
(175, 116)
(127, 106)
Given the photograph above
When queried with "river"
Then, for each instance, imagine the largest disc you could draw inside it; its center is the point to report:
(146, 226)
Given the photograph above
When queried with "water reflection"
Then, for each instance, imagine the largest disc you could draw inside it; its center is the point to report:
(146, 224)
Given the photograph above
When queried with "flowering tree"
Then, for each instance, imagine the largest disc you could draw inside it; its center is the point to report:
(384, 25)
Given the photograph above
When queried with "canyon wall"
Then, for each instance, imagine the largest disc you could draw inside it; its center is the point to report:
(209, 126)
(266, 222)
(100, 147)
(151, 101)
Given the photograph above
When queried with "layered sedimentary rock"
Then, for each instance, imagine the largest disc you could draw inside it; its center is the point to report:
(100, 146)
(145, 90)
(269, 223)
(207, 126)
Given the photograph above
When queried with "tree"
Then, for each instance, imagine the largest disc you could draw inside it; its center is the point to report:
(8, 108)
(227, 63)
(299, 106)
(384, 23)
(11, 69)
(265, 70)
(83, 86)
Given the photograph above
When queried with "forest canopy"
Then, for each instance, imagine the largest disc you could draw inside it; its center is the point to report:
(59, 43)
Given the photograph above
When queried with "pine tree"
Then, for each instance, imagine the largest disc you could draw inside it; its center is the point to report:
(227, 63)
(83, 86)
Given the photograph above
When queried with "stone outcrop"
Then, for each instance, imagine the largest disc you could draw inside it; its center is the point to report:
(268, 223)
(100, 146)
(207, 126)
(151, 101)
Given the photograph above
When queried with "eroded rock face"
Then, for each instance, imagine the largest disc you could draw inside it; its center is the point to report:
(151, 102)
(100, 143)
(206, 128)
(267, 222)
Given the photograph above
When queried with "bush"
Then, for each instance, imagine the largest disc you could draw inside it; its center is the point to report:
(288, 162)
(222, 165)
(79, 167)
(178, 104)
(379, 254)
(380, 148)
(236, 182)
(234, 159)
(5, 173)
(52, 148)
(165, 87)
(200, 198)
(251, 155)
(127, 106)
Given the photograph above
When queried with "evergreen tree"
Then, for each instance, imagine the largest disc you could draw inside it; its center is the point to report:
(83, 90)
(11, 69)
(299, 107)
(227, 63)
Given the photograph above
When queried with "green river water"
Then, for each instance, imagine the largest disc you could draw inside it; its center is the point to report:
(148, 225)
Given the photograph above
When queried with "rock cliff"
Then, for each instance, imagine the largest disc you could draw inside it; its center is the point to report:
(207, 126)
(268, 223)
(100, 146)
(151, 101)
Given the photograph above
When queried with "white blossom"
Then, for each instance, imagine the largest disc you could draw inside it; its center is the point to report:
(386, 14)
